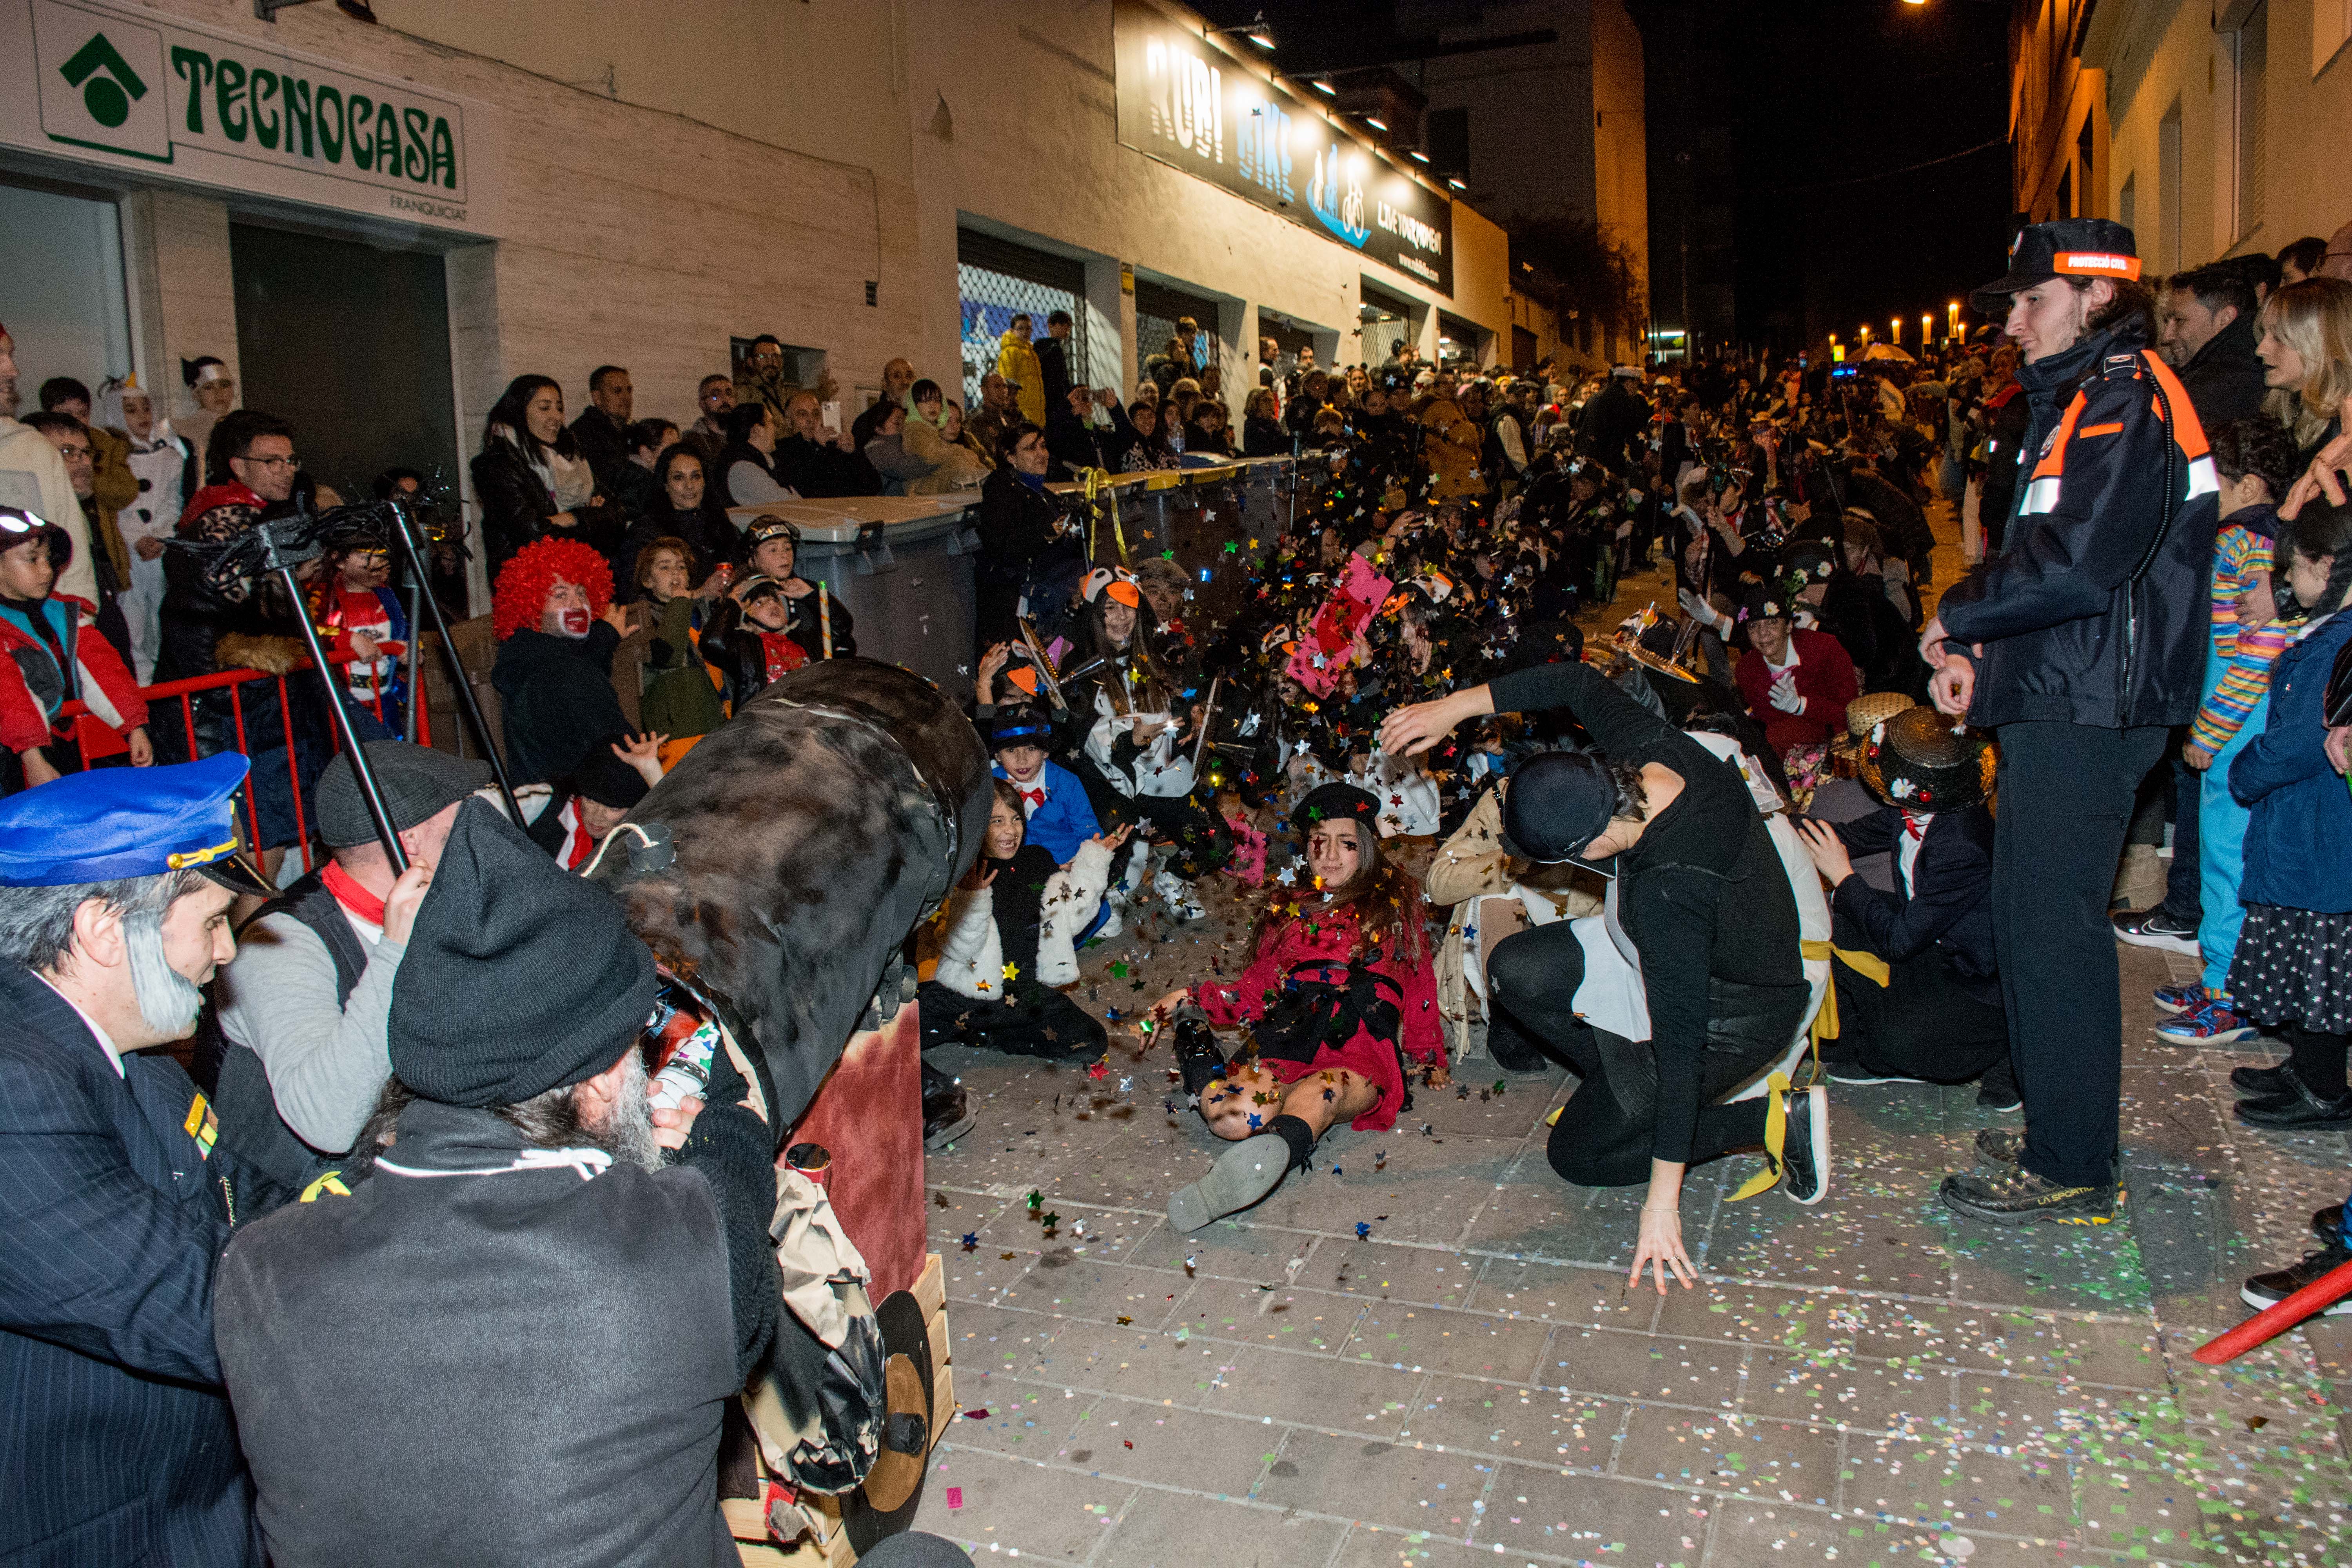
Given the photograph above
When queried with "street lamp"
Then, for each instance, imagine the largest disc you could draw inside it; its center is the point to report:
(1895, 336)
(1259, 32)
(1927, 326)
(1952, 319)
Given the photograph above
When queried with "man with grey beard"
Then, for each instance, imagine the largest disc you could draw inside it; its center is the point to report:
(515, 1339)
(115, 1202)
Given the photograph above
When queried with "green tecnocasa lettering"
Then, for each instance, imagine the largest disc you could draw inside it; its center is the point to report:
(282, 112)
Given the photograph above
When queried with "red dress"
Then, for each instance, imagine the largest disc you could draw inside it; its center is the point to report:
(1302, 975)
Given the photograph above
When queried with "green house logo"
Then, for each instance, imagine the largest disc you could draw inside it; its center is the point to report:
(108, 86)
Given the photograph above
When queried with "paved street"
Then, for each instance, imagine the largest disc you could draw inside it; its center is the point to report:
(1469, 1375)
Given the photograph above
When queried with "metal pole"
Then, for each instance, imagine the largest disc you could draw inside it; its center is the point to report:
(385, 833)
(416, 671)
(467, 703)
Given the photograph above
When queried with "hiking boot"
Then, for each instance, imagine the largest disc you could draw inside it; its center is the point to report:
(2209, 1023)
(2154, 928)
(2295, 1107)
(2174, 1000)
(2269, 1290)
(2015, 1195)
(1805, 1156)
(1243, 1175)
(1999, 1146)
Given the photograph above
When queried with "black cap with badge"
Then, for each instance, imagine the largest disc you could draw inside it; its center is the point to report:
(2068, 248)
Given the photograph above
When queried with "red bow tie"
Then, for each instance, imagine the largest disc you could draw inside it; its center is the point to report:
(1033, 797)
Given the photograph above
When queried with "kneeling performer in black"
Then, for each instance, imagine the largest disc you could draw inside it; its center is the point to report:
(1705, 898)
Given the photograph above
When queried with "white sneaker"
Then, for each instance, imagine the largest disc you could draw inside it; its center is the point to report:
(1177, 895)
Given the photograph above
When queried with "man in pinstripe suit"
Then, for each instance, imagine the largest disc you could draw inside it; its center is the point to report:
(116, 1441)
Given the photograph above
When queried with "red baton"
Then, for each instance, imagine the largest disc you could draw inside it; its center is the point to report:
(2271, 1321)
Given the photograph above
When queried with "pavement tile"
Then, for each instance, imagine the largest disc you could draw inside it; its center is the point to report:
(1755, 1314)
(1844, 1393)
(1382, 1482)
(1029, 1421)
(1719, 1451)
(1645, 1367)
(1389, 1271)
(1561, 1293)
(1473, 1344)
(1308, 1322)
(1009, 1504)
(1224, 1250)
(1315, 1391)
(1593, 1519)
(1124, 1438)
(1062, 1285)
(1133, 1364)
(1169, 1530)
(1962, 1490)
(1538, 1426)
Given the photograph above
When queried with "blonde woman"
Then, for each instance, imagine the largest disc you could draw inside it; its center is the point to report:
(2306, 354)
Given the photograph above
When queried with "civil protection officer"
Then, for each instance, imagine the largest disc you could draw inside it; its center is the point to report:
(2080, 648)
(116, 1441)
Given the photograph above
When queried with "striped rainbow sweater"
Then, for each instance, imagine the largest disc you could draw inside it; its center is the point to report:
(2244, 657)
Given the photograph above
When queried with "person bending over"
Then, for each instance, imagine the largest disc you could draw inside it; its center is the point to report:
(1011, 933)
(1338, 993)
(1701, 892)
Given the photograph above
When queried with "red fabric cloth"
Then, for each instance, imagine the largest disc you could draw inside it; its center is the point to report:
(784, 654)
(350, 895)
(229, 494)
(1329, 938)
(23, 724)
(869, 1114)
(1825, 679)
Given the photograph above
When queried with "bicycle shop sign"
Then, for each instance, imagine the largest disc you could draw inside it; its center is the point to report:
(1187, 104)
(143, 91)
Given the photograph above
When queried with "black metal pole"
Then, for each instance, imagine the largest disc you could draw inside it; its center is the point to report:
(467, 701)
(361, 768)
(415, 668)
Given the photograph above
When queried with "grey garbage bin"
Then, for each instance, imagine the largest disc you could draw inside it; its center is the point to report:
(903, 567)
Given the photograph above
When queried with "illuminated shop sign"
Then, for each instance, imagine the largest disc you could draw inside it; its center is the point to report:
(1189, 105)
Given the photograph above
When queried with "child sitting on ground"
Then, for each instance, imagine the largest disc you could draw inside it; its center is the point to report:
(52, 656)
(1337, 996)
(1012, 933)
(1060, 819)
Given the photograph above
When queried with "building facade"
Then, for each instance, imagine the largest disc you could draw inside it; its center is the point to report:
(376, 226)
(2212, 130)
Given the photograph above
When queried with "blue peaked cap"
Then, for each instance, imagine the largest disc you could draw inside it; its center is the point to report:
(111, 823)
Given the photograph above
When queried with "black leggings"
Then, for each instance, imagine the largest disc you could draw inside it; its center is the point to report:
(1039, 1022)
(1604, 1135)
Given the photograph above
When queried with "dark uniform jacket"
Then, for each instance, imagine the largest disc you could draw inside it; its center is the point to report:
(116, 1442)
(2095, 612)
(487, 1355)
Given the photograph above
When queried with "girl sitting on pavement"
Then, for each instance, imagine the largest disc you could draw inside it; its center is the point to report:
(1338, 999)
(1012, 933)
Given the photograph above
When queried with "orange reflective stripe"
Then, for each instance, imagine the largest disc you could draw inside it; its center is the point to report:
(2187, 428)
(2115, 428)
(2055, 465)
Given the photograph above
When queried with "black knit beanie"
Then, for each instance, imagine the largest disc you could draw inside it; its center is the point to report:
(518, 977)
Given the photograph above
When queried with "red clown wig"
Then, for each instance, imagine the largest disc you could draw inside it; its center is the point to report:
(519, 600)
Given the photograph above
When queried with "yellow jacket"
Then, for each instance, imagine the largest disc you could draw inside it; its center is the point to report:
(1016, 362)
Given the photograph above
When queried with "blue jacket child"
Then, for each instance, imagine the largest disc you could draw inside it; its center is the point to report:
(1060, 817)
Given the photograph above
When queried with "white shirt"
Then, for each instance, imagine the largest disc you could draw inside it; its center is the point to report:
(105, 1040)
(1906, 850)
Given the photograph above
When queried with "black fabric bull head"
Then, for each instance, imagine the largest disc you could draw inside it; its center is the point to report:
(810, 833)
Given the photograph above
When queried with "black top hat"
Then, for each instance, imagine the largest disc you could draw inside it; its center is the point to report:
(2071, 246)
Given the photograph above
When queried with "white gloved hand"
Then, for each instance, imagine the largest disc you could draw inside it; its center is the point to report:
(1785, 696)
(1702, 612)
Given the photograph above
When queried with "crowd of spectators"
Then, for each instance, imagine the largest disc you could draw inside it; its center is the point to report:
(1684, 622)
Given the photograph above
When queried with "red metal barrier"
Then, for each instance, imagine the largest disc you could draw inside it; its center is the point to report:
(98, 740)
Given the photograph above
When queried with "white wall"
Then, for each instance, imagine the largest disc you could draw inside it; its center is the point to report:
(61, 295)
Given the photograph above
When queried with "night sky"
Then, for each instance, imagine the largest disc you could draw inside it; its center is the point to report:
(1787, 104)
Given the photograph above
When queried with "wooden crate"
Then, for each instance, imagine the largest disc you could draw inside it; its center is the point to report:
(833, 1550)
